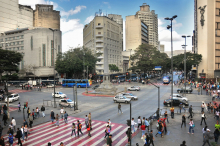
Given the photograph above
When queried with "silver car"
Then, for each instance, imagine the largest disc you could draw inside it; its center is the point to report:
(129, 95)
(119, 98)
(134, 88)
(178, 96)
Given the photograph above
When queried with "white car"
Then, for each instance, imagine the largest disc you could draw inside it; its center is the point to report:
(134, 88)
(13, 97)
(59, 95)
(129, 95)
(118, 98)
(178, 96)
(66, 102)
(50, 86)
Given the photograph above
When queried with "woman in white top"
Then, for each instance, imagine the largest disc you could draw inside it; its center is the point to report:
(139, 121)
(203, 118)
(217, 114)
(191, 125)
(26, 131)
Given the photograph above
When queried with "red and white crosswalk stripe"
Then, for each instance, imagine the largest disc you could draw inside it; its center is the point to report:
(11, 109)
(18, 91)
(47, 132)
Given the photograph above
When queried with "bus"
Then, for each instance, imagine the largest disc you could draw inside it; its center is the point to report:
(80, 83)
(121, 78)
(166, 80)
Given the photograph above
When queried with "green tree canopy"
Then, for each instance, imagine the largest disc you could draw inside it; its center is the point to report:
(113, 67)
(9, 61)
(71, 62)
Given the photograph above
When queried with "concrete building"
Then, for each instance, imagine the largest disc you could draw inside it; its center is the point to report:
(162, 48)
(207, 37)
(45, 16)
(151, 20)
(103, 32)
(36, 45)
(136, 32)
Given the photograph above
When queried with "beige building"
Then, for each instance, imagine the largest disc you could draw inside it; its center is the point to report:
(45, 16)
(151, 20)
(161, 48)
(103, 32)
(207, 37)
(136, 32)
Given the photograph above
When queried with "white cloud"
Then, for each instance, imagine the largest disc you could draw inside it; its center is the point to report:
(72, 12)
(32, 3)
(89, 19)
(107, 3)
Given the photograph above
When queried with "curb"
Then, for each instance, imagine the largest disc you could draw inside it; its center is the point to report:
(96, 95)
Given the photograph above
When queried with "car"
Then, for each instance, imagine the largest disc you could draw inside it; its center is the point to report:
(66, 102)
(188, 90)
(134, 88)
(95, 87)
(178, 96)
(176, 102)
(13, 97)
(119, 98)
(59, 94)
(50, 86)
(129, 95)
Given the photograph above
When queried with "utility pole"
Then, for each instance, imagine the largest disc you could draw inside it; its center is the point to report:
(87, 80)
(76, 96)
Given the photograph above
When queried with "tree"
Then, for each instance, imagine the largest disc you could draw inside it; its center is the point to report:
(113, 67)
(9, 61)
(71, 62)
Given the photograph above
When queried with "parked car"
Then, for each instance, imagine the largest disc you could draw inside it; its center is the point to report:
(118, 98)
(59, 94)
(129, 95)
(50, 86)
(95, 87)
(176, 102)
(13, 97)
(188, 90)
(134, 88)
(178, 96)
(66, 102)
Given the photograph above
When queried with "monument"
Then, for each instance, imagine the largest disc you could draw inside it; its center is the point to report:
(106, 87)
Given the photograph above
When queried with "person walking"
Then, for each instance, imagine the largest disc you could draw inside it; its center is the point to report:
(202, 107)
(160, 129)
(14, 124)
(128, 133)
(28, 112)
(207, 137)
(10, 139)
(57, 120)
(164, 125)
(107, 131)
(183, 143)
(183, 120)
(151, 138)
(1, 130)
(191, 126)
(143, 129)
(18, 136)
(26, 132)
(109, 140)
(204, 131)
(22, 132)
(86, 121)
(110, 124)
(147, 124)
(132, 124)
(198, 90)
(190, 111)
(203, 117)
(88, 129)
(172, 112)
(119, 108)
(19, 107)
(166, 116)
(52, 116)
(65, 117)
(61, 113)
(42, 111)
(2, 141)
(217, 114)
(139, 122)
(33, 114)
(73, 129)
(79, 127)
(5, 109)
(4, 118)
(216, 135)
(181, 107)
(37, 112)
(30, 120)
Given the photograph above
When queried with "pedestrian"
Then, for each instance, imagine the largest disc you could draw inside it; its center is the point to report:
(139, 122)
(180, 106)
(73, 129)
(191, 126)
(10, 131)
(183, 120)
(28, 112)
(88, 129)
(209, 108)
(203, 117)
(13, 123)
(151, 138)
(30, 120)
(1, 107)
(160, 129)
(1, 130)
(146, 139)
(86, 120)
(166, 116)
(2, 141)
(79, 127)
(18, 136)
(19, 107)
(143, 129)
(90, 120)
(25, 122)
(65, 117)
(204, 131)
(147, 124)
(57, 120)
(33, 114)
(132, 124)
(61, 113)
(107, 131)
(217, 126)
(190, 112)
(216, 135)
(172, 112)
(183, 143)
(164, 125)
(207, 137)
(109, 140)
(128, 133)
(202, 107)
(198, 90)
(5, 109)
(217, 114)
(158, 113)
(26, 132)
(52, 116)
(61, 144)
(110, 124)
(42, 111)
(119, 108)
(22, 131)
(10, 139)
(4, 118)
(37, 112)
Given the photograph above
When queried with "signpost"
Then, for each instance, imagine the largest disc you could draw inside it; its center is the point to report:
(157, 68)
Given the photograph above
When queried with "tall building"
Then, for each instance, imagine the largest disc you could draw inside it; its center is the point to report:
(103, 32)
(45, 16)
(136, 32)
(151, 20)
(207, 37)
(161, 48)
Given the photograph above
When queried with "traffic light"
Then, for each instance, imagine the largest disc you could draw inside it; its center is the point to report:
(25, 106)
(129, 122)
(127, 75)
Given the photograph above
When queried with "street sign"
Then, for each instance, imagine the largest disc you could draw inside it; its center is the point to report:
(157, 68)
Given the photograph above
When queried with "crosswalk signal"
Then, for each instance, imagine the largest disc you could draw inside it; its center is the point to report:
(129, 122)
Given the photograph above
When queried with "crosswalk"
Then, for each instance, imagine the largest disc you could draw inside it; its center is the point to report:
(41, 134)
(18, 91)
(11, 109)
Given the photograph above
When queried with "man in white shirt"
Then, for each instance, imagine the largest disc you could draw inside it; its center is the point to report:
(203, 106)
(13, 123)
(132, 124)
(62, 112)
(110, 124)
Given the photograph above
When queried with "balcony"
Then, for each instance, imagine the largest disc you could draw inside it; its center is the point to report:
(100, 57)
(99, 35)
(99, 26)
(99, 41)
(99, 62)
(99, 46)
(99, 51)
(99, 67)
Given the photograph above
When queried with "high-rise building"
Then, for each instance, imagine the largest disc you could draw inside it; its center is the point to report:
(103, 32)
(207, 37)
(161, 48)
(151, 20)
(136, 32)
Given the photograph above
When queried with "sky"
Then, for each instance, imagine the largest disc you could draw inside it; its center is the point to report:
(76, 13)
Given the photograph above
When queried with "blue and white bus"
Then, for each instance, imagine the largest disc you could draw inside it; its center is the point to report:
(80, 83)
(166, 80)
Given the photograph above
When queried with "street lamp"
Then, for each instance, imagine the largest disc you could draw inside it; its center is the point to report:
(171, 27)
(183, 36)
(53, 66)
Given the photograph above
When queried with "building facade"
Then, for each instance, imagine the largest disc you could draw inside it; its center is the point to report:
(207, 37)
(162, 47)
(103, 32)
(136, 32)
(151, 20)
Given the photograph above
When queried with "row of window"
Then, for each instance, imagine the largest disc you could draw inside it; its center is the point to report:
(15, 48)
(13, 38)
(14, 43)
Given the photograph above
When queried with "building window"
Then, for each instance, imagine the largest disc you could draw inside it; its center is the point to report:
(22, 42)
(99, 23)
(22, 47)
(17, 43)
(44, 54)
(22, 36)
(52, 53)
(18, 48)
(31, 42)
(99, 32)
(6, 39)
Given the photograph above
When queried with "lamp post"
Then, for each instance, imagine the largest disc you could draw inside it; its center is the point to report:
(53, 66)
(87, 80)
(83, 64)
(183, 36)
(171, 27)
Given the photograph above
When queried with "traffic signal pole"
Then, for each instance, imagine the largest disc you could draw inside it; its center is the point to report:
(130, 124)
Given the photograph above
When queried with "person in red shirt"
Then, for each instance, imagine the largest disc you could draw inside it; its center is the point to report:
(143, 128)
